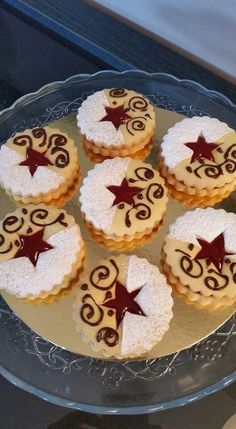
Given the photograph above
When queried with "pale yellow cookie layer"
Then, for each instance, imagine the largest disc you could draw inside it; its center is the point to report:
(89, 332)
(113, 151)
(139, 154)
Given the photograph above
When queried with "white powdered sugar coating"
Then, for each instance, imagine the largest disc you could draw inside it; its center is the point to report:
(140, 333)
(90, 113)
(206, 224)
(188, 130)
(19, 276)
(18, 179)
(96, 200)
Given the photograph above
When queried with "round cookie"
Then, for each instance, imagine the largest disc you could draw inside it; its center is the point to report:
(116, 122)
(123, 202)
(40, 165)
(199, 257)
(198, 161)
(123, 306)
(41, 252)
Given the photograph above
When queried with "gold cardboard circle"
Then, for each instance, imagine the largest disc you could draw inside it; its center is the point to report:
(54, 321)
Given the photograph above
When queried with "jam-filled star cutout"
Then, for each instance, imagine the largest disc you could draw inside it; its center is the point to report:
(116, 115)
(35, 159)
(201, 149)
(124, 301)
(32, 245)
(124, 193)
(214, 251)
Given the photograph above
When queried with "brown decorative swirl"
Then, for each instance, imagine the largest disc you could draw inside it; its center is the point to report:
(38, 217)
(156, 191)
(143, 212)
(23, 140)
(56, 141)
(144, 173)
(39, 133)
(12, 224)
(2, 242)
(88, 311)
(213, 283)
(232, 268)
(214, 171)
(109, 336)
(189, 266)
(138, 103)
(103, 272)
(117, 92)
(135, 124)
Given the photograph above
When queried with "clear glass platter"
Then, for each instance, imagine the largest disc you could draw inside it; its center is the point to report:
(87, 383)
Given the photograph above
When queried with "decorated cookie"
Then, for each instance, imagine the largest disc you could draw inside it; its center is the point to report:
(123, 306)
(198, 161)
(199, 257)
(39, 165)
(41, 251)
(123, 202)
(116, 122)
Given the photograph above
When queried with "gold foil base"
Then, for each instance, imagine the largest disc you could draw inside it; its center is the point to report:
(54, 321)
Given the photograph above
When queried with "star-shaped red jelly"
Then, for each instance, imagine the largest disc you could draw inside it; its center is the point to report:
(201, 149)
(124, 193)
(116, 115)
(124, 301)
(34, 159)
(214, 251)
(32, 245)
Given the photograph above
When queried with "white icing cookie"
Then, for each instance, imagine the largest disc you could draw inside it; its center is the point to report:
(40, 247)
(116, 117)
(123, 306)
(123, 196)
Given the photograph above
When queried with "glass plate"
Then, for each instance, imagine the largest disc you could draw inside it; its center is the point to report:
(92, 385)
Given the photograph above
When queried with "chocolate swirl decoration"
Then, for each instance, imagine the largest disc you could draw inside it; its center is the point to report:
(135, 124)
(23, 140)
(38, 217)
(91, 313)
(189, 266)
(117, 92)
(143, 212)
(138, 103)
(233, 270)
(214, 283)
(56, 141)
(109, 336)
(213, 171)
(194, 269)
(156, 191)
(2, 242)
(142, 173)
(104, 277)
(39, 133)
(12, 224)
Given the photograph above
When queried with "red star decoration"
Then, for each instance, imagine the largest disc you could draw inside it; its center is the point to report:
(201, 149)
(124, 301)
(32, 245)
(116, 115)
(124, 193)
(214, 251)
(35, 159)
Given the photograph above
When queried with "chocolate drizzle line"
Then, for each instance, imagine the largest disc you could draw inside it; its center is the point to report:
(38, 217)
(194, 269)
(53, 145)
(109, 335)
(153, 191)
(88, 311)
(214, 170)
(103, 272)
(135, 104)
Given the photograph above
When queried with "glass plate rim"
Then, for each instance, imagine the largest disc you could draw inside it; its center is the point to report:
(17, 381)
